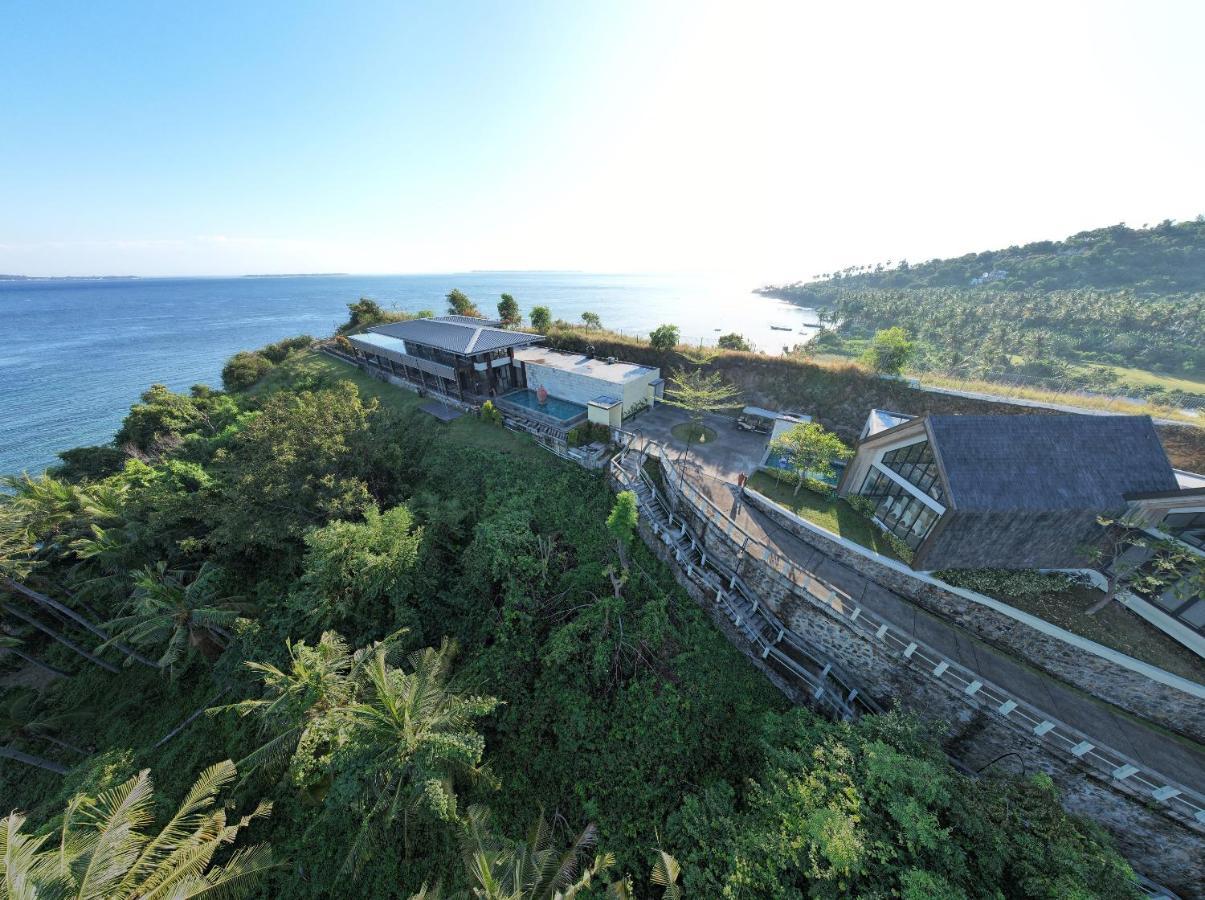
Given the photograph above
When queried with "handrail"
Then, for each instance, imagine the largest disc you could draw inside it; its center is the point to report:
(1108, 763)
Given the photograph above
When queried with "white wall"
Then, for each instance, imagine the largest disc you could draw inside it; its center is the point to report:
(579, 388)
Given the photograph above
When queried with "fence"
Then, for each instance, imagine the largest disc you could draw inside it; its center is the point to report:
(1108, 764)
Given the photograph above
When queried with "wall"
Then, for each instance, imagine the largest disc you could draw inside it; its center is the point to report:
(1173, 707)
(1162, 846)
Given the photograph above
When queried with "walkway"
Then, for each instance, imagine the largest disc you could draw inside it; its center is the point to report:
(1178, 758)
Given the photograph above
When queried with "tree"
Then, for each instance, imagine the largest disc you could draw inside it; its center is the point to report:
(541, 318)
(354, 570)
(22, 722)
(664, 337)
(1133, 560)
(104, 850)
(809, 450)
(409, 738)
(622, 523)
(733, 341)
(170, 610)
(889, 351)
(534, 869)
(699, 393)
(362, 313)
(244, 369)
(459, 304)
(317, 681)
(591, 320)
(508, 312)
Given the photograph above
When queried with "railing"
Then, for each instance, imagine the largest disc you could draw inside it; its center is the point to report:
(526, 412)
(827, 687)
(1110, 765)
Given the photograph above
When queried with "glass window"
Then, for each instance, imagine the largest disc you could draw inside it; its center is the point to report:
(1188, 527)
(905, 516)
(915, 464)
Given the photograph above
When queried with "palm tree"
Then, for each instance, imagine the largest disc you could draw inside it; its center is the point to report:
(167, 609)
(105, 851)
(416, 736)
(317, 681)
(534, 869)
(22, 722)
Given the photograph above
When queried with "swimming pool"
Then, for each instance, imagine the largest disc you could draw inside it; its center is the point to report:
(554, 408)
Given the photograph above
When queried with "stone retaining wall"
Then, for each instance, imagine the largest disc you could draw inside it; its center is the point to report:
(1172, 708)
(1162, 847)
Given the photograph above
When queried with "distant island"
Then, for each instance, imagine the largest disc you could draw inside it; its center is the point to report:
(69, 277)
(297, 275)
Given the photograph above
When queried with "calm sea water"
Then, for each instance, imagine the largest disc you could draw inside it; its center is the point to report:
(75, 354)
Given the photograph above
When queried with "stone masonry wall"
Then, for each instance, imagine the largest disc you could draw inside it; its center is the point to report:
(1132, 691)
(1161, 847)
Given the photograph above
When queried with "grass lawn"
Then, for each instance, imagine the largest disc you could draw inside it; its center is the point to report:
(319, 370)
(690, 434)
(1114, 626)
(1144, 377)
(836, 516)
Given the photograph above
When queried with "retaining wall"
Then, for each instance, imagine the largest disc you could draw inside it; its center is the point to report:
(1174, 702)
(1164, 847)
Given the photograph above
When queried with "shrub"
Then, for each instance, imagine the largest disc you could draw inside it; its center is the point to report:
(1007, 583)
(282, 350)
(664, 337)
(244, 369)
(490, 413)
(733, 341)
(541, 318)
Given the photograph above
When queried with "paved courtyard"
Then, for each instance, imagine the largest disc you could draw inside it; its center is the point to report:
(732, 452)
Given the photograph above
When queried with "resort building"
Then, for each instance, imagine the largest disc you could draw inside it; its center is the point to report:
(472, 360)
(1016, 492)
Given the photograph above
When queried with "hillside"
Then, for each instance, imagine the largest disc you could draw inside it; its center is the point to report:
(1079, 310)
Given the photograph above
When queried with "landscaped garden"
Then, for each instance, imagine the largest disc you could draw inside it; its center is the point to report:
(830, 513)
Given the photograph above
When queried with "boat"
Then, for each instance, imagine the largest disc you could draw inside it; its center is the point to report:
(781, 328)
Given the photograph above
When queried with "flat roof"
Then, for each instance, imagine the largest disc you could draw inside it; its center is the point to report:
(882, 419)
(381, 341)
(580, 364)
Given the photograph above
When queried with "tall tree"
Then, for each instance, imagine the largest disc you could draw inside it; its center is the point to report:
(104, 850)
(889, 351)
(169, 609)
(541, 318)
(808, 449)
(459, 304)
(664, 337)
(508, 312)
(700, 393)
(591, 320)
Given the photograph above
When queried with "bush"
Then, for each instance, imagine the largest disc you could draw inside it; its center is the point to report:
(282, 350)
(244, 369)
(1008, 583)
(664, 337)
(490, 413)
(733, 341)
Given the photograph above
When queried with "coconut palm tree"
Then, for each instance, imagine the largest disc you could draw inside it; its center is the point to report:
(534, 869)
(414, 738)
(105, 850)
(168, 610)
(316, 682)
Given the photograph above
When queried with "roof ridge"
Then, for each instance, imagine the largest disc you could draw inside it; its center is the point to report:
(472, 345)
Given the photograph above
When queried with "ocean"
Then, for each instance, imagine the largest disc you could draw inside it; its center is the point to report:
(75, 354)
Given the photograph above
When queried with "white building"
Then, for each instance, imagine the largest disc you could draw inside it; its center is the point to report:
(610, 390)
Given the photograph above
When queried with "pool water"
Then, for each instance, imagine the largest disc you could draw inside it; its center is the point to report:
(775, 460)
(561, 410)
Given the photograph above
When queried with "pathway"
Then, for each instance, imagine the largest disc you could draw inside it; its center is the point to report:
(1176, 757)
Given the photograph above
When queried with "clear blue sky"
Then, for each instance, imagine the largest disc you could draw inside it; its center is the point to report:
(772, 139)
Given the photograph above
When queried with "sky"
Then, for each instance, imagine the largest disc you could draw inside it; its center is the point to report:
(773, 140)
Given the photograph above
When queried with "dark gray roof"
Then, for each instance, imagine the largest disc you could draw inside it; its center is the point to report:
(457, 334)
(1041, 462)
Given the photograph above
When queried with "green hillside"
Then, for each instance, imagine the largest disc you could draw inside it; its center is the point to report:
(1080, 308)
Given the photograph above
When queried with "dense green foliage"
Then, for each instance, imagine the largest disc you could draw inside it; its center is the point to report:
(588, 682)
(733, 341)
(664, 337)
(541, 318)
(889, 351)
(459, 304)
(508, 312)
(1113, 296)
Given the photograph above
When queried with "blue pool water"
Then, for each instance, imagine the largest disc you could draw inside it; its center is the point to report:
(775, 460)
(561, 410)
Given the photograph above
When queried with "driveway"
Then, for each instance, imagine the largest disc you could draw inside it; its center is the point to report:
(733, 451)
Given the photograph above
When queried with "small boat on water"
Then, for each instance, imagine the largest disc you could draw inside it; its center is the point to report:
(781, 328)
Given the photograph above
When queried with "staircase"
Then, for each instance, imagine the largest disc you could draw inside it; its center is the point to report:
(786, 653)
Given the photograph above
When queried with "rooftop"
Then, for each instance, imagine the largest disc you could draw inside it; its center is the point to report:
(1039, 462)
(464, 335)
(591, 367)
